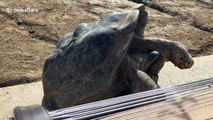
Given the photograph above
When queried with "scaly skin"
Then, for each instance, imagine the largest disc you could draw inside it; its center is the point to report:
(169, 50)
(131, 76)
(147, 57)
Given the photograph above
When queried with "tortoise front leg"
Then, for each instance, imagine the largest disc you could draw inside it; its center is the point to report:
(155, 68)
(142, 20)
(139, 79)
(142, 82)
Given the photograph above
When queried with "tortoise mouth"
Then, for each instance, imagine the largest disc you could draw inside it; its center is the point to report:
(185, 65)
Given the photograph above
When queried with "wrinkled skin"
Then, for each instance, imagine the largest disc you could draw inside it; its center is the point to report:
(147, 56)
(105, 59)
(150, 55)
(131, 76)
(168, 50)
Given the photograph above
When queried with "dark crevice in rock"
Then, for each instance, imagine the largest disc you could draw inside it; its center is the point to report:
(36, 30)
(206, 2)
(154, 5)
(202, 27)
(202, 50)
(18, 81)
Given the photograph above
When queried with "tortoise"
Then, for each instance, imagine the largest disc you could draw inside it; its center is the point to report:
(146, 57)
(86, 64)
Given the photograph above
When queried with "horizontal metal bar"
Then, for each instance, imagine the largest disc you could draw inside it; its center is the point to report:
(81, 109)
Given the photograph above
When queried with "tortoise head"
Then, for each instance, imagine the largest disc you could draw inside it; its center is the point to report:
(181, 57)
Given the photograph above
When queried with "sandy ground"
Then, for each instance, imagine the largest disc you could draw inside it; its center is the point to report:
(20, 95)
(27, 38)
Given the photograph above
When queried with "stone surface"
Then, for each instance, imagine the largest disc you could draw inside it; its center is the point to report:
(20, 95)
(202, 69)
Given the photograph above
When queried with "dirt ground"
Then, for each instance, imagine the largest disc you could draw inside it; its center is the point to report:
(30, 29)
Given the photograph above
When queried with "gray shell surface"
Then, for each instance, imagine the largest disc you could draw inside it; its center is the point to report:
(83, 66)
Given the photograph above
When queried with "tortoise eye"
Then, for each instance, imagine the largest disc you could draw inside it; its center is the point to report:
(181, 58)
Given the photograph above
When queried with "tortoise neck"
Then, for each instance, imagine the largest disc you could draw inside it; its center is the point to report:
(165, 47)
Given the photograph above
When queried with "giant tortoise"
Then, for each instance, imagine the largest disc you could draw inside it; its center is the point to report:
(106, 59)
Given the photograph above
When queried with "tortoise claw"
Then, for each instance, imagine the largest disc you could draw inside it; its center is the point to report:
(153, 56)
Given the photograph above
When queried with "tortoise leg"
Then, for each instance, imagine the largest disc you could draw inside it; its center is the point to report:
(142, 20)
(139, 79)
(48, 104)
(146, 82)
(155, 68)
(148, 60)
